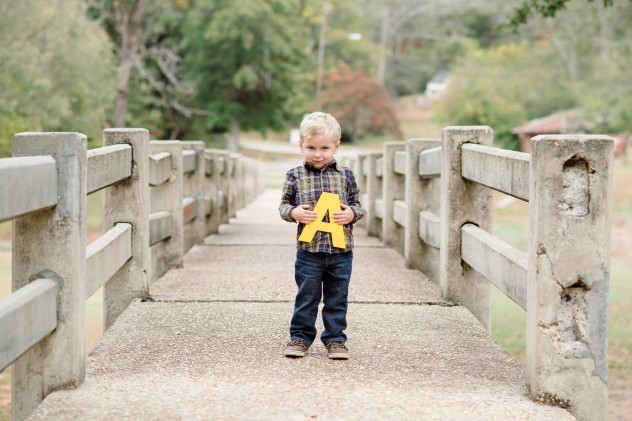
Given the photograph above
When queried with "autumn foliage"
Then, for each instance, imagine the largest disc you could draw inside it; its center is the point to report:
(359, 103)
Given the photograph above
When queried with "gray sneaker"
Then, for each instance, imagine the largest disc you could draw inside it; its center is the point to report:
(337, 350)
(295, 348)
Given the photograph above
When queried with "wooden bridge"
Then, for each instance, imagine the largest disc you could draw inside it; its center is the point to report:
(199, 335)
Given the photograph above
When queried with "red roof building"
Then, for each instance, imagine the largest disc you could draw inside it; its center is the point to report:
(564, 122)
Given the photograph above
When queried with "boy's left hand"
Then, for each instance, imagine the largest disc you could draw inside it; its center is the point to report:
(345, 216)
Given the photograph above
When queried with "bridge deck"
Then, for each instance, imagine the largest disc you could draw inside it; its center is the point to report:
(210, 346)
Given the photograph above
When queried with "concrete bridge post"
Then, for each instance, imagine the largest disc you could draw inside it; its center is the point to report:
(52, 244)
(373, 193)
(225, 185)
(211, 190)
(168, 197)
(463, 202)
(393, 188)
(128, 201)
(194, 187)
(360, 177)
(568, 271)
(422, 194)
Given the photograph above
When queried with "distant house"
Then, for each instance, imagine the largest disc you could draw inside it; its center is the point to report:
(438, 85)
(563, 122)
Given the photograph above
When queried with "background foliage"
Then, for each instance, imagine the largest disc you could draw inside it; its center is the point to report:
(202, 69)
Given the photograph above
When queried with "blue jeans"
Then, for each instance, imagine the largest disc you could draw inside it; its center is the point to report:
(316, 275)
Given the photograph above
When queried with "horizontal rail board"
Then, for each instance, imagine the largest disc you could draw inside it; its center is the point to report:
(188, 209)
(29, 184)
(108, 165)
(26, 317)
(208, 165)
(379, 167)
(365, 167)
(430, 229)
(222, 165)
(430, 162)
(189, 160)
(502, 264)
(159, 227)
(399, 212)
(499, 169)
(208, 205)
(159, 168)
(107, 255)
(399, 162)
(221, 197)
(379, 208)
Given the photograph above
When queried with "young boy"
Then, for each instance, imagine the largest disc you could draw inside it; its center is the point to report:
(320, 268)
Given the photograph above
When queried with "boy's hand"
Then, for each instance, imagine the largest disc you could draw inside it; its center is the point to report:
(302, 214)
(345, 216)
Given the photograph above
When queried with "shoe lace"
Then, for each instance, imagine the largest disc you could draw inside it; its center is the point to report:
(337, 345)
(296, 342)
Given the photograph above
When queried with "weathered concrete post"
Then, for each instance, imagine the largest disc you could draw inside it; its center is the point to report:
(211, 190)
(225, 185)
(570, 193)
(463, 202)
(360, 177)
(168, 197)
(373, 193)
(194, 187)
(422, 194)
(233, 191)
(52, 244)
(393, 188)
(128, 201)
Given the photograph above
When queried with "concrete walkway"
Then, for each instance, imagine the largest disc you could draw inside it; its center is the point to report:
(210, 345)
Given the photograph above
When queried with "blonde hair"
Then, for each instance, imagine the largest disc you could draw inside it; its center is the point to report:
(320, 124)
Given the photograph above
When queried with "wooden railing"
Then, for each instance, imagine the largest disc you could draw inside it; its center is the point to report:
(155, 207)
(431, 199)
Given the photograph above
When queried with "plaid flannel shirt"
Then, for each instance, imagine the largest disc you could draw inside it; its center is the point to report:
(304, 185)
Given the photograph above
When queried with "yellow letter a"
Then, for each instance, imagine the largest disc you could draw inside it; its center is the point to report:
(327, 202)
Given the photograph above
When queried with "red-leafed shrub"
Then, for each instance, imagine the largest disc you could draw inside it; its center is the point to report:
(359, 103)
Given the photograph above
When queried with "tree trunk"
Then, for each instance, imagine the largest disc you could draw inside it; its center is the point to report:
(233, 138)
(120, 107)
(129, 25)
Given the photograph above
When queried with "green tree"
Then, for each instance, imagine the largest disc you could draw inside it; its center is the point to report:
(544, 8)
(247, 58)
(57, 69)
(505, 86)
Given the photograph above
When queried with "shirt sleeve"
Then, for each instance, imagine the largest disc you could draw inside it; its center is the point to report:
(288, 199)
(353, 196)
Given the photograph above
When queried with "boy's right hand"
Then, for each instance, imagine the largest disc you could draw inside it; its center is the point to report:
(302, 214)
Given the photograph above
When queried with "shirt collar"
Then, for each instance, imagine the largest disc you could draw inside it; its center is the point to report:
(333, 164)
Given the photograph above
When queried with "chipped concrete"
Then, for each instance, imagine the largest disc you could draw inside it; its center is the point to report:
(412, 357)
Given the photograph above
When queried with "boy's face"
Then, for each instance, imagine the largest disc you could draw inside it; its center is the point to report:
(319, 151)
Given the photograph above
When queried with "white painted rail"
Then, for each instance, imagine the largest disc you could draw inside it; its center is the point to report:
(502, 264)
(499, 169)
(26, 317)
(29, 184)
(108, 165)
(105, 256)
